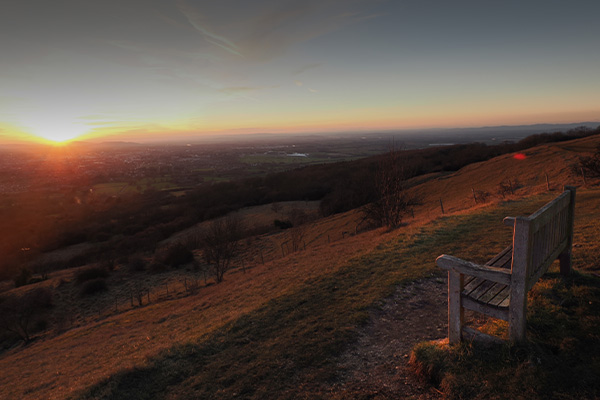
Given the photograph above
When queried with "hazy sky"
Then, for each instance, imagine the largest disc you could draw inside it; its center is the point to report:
(191, 67)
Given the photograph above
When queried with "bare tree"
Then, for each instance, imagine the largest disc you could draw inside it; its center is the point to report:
(393, 201)
(591, 165)
(21, 315)
(298, 218)
(505, 187)
(220, 244)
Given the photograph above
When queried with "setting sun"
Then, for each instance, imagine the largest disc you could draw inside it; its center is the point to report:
(57, 131)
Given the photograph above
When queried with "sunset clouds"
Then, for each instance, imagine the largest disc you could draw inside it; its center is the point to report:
(191, 67)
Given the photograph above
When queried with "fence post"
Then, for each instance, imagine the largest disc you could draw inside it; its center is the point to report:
(583, 174)
(547, 182)
(474, 197)
(442, 205)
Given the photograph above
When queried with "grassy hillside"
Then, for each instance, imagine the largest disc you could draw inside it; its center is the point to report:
(277, 330)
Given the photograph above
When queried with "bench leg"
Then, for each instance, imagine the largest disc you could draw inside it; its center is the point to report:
(455, 309)
(565, 263)
(517, 313)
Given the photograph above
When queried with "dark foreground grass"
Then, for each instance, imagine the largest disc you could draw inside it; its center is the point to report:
(561, 357)
(288, 348)
(560, 360)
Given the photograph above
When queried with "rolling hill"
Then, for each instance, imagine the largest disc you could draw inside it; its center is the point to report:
(279, 329)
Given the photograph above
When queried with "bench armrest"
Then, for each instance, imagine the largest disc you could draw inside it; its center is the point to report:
(494, 274)
(509, 221)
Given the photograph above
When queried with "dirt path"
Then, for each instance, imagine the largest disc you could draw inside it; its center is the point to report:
(376, 366)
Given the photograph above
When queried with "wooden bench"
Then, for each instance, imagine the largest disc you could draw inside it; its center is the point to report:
(499, 288)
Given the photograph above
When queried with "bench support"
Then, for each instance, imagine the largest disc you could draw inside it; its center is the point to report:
(456, 314)
(518, 289)
(565, 257)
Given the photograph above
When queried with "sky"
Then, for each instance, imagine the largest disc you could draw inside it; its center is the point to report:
(171, 69)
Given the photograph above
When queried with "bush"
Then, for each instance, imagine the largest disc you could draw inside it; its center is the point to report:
(93, 286)
(136, 264)
(174, 255)
(282, 224)
(22, 277)
(157, 267)
(91, 273)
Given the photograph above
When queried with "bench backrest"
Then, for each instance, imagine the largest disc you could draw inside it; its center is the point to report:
(541, 237)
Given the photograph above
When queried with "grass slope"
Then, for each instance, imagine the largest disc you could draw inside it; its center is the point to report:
(287, 348)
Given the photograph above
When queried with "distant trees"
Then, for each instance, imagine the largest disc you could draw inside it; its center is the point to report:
(393, 201)
(220, 243)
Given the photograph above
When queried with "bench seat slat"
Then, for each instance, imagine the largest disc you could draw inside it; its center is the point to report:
(502, 259)
(505, 297)
(491, 294)
(472, 285)
(487, 292)
(481, 290)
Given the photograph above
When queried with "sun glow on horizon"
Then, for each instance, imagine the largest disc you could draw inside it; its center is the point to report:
(57, 132)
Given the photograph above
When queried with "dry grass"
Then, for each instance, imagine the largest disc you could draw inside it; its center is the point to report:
(89, 353)
(553, 159)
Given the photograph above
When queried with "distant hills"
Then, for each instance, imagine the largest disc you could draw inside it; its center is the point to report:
(412, 138)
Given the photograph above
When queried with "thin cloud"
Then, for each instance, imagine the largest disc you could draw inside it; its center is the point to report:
(221, 45)
(240, 90)
(196, 19)
(298, 83)
(306, 67)
(312, 90)
(275, 29)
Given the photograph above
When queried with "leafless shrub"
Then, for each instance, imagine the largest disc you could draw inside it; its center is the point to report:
(481, 196)
(590, 165)
(296, 233)
(220, 244)
(21, 315)
(393, 200)
(507, 187)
